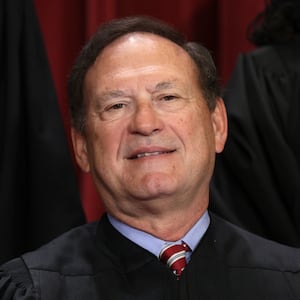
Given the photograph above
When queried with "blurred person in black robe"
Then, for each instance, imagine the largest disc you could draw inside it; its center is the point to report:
(257, 179)
(39, 198)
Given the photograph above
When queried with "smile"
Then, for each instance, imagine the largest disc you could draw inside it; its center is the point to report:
(147, 154)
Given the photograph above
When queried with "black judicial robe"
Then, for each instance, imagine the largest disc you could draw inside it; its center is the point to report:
(95, 261)
(39, 195)
(256, 183)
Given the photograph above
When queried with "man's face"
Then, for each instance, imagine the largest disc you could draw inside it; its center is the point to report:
(149, 134)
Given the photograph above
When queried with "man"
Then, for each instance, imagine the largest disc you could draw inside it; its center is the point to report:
(147, 122)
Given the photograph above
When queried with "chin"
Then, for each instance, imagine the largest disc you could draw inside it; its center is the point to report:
(156, 185)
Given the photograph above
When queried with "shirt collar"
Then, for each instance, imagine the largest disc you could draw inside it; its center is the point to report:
(154, 244)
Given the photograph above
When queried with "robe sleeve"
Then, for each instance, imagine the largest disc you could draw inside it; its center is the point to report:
(15, 282)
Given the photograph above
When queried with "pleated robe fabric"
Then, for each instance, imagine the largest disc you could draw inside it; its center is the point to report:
(96, 262)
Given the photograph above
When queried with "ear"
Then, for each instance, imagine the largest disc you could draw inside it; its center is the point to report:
(220, 127)
(80, 150)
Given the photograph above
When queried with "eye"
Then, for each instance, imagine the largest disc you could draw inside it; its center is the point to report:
(169, 97)
(171, 102)
(116, 110)
(116, 106)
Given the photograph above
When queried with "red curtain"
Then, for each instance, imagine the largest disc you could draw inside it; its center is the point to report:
(66, 25)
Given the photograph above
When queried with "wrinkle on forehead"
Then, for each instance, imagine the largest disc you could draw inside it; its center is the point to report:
(141, 56)
(150, 52)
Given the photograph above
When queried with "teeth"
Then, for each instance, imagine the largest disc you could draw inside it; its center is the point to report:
(148, 154)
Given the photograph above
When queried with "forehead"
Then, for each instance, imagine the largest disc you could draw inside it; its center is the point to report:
(137, 39)
(141, 49)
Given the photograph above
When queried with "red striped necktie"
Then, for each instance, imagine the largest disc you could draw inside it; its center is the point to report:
(174, 257)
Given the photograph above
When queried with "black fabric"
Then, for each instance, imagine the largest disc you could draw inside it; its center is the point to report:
(256, 183)
(95, 261)
(39, 198)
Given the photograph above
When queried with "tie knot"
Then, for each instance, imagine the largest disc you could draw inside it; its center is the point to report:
(174, 257)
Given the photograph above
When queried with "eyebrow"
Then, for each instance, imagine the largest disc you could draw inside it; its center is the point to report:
(164, 85)
(111, 94)
(107, 96)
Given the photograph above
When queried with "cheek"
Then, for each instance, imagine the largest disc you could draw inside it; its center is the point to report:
(189, 125)
(105, 142)
(198, 132)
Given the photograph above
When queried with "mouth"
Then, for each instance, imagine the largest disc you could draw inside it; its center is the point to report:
(148, 154)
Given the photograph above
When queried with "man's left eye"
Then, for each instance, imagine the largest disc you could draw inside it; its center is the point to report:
(117, 106)
(169, 97)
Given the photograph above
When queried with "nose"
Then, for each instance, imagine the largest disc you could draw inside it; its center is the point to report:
(145, 120)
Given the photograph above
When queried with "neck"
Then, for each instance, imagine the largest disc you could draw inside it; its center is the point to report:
(168, 223)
